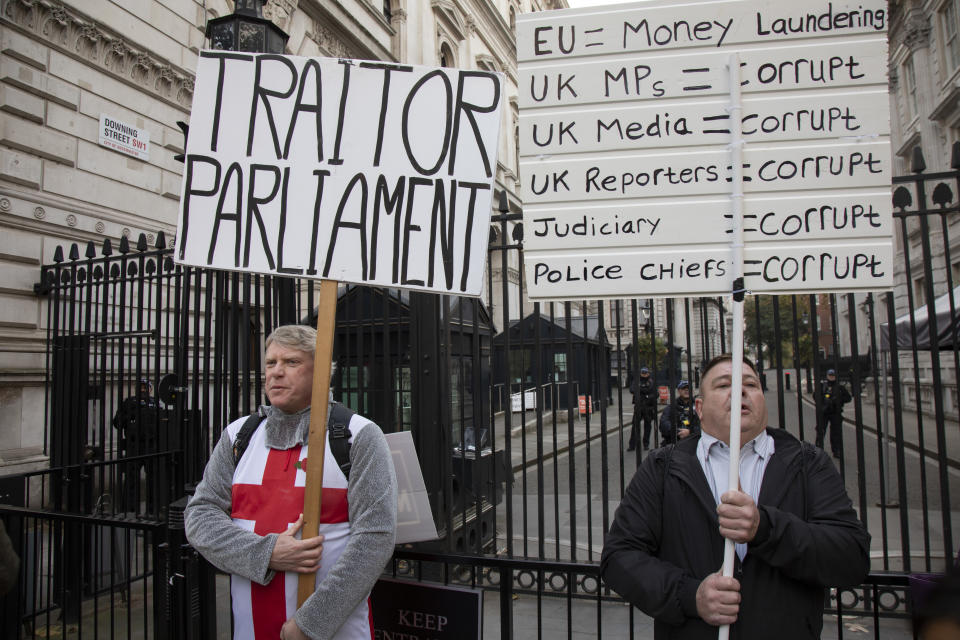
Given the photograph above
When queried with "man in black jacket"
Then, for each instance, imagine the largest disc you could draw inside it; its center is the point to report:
(833, 395)
(793, 523)
(645, 398)
(679, 420)
(136, 422)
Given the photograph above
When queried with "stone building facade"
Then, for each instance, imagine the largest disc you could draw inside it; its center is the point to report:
(65, 64)
(924, 63)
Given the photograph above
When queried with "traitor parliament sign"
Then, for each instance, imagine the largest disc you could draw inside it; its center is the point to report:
(355, 171)
(625, 147)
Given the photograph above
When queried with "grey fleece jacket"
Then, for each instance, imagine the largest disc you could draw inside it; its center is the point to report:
(372, 500)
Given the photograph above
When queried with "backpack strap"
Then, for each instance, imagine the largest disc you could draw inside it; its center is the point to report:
(243, 436)
(806, 449)
(338, 435)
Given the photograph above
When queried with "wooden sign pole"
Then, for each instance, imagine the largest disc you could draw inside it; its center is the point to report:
(319, 405)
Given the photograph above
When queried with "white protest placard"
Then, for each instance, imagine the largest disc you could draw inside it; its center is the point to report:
(625, 148)
(414, 518)
(364, 172)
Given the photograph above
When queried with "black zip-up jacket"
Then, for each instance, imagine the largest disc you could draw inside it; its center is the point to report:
(673, 418)
(833, 395)
(645, 396)
(664, 541)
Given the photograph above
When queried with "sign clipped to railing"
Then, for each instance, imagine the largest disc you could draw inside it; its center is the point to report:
(625, 147)
(363, 172)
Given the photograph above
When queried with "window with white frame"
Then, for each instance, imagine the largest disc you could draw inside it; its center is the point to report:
(559, 367)
(910, 87)
(616, 315)
(950, 31)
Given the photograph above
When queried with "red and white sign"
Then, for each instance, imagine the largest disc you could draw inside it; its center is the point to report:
(124, 137)
(664, 392)
(585, 404)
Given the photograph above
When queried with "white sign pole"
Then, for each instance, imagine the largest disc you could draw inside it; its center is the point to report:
(736, 365)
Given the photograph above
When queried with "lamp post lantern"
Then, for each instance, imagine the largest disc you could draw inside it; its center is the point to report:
(246, 30)
(645, 315)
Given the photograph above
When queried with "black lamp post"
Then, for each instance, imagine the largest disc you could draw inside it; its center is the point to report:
(805, 319)
(645, 314)
(246, 30)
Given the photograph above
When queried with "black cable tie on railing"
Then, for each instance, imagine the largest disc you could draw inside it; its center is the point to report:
(738, 290)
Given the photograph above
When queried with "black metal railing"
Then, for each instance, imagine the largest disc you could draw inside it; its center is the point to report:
(521, 412)
(92, 576)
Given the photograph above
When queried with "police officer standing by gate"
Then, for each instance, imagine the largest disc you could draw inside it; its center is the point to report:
(136, 423)
(644, 407)
(833, 395)
(679, 420)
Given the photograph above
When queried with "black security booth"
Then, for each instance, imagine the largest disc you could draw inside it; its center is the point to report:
(560, 360)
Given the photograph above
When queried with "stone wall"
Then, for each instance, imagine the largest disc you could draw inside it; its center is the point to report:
(62, 65)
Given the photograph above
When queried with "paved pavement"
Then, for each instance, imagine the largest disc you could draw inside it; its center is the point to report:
(868, 414)
(549, 618)
(909, 496)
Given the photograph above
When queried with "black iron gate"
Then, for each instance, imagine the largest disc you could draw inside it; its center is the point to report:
(521, 414)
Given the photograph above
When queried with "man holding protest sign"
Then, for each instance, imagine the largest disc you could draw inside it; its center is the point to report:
(247, 511)
(276, 182)
(793, 524)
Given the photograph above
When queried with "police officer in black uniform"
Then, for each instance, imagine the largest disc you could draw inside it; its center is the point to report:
(679, 420)
(136, 423)
(644, 407)
(833, 395)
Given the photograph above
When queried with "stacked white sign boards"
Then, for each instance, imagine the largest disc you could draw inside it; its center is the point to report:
(348, 170)
(625, 144)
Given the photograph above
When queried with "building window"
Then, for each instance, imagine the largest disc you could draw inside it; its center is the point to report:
(462, 409)
(446, 56)
(616, 316)
(521, 372)
(403, 392)
(559, 367)
(354, 388)
(918, 294)
(516, 145)
(950, 25)
(910, 87)
(386, 10)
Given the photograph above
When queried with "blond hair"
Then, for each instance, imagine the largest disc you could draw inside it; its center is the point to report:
(296, 336)
(293, 336)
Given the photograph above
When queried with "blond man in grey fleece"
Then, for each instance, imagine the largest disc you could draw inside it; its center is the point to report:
(245, 517)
